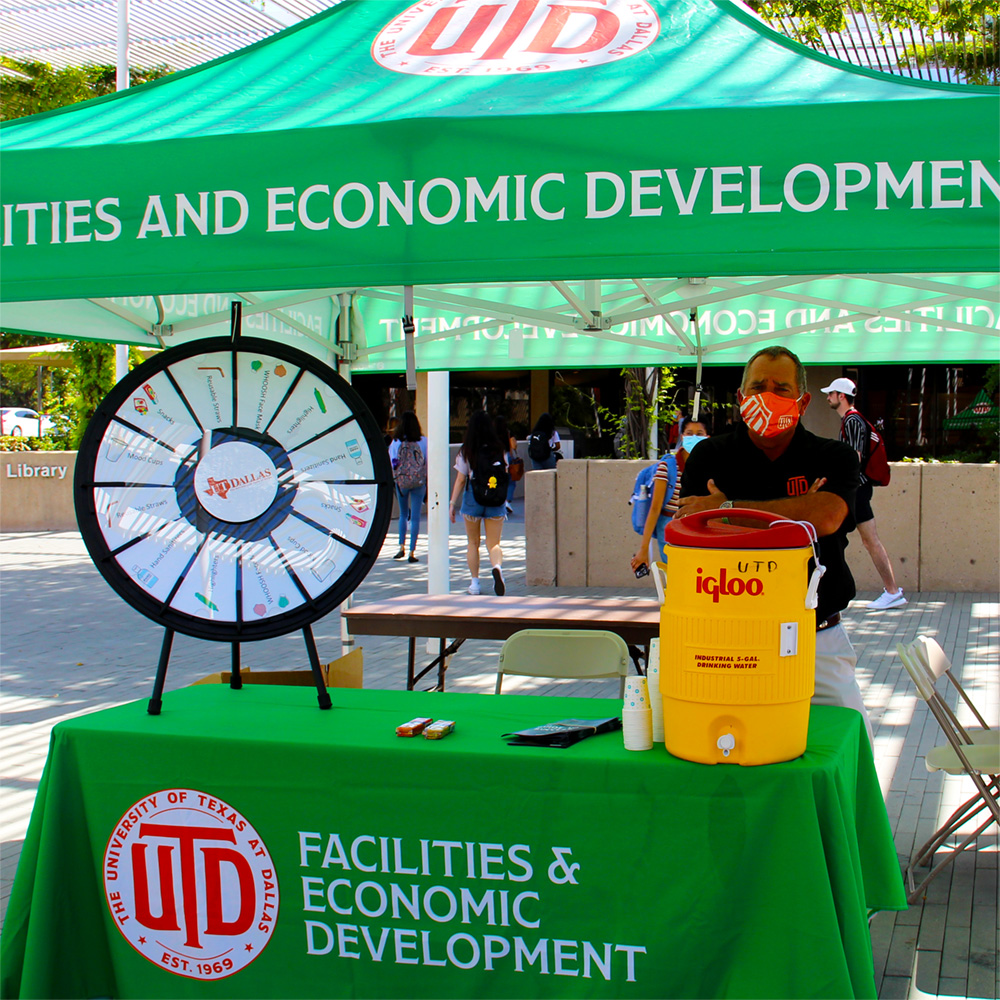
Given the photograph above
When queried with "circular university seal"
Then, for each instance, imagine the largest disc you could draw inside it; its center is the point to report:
(190, 884)
(490, 38)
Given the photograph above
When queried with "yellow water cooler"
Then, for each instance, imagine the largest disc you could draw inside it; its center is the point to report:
(738, 637)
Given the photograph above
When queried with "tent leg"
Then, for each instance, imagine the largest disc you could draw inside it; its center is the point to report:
(438, 483)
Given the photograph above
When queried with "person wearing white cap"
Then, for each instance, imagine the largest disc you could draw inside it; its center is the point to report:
(856, 431)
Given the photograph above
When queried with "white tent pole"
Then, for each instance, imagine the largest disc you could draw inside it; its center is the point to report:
(121, 83)
(344, 336)
(343, 366)
(652, 446)
(438, 482)
(696, 408)
(408, 336)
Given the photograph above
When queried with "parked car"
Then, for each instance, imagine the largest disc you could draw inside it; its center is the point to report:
(18, 420)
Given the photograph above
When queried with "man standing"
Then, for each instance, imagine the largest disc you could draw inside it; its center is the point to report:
(855, 431)
(770, 462)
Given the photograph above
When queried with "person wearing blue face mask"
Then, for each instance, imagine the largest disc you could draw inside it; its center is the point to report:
(694, 431)
(660, 503)
(771, 462)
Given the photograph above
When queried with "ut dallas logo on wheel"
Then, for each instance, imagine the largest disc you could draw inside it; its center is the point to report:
(190, 884)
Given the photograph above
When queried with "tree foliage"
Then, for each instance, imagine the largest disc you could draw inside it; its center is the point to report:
(649, 402)
(971, 28)
(33, 87)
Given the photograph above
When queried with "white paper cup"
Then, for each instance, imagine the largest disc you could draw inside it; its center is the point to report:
(654, 654)
(637, 729)
(636, 694)
(655, 700)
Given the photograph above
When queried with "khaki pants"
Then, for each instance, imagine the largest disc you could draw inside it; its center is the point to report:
(835, 680)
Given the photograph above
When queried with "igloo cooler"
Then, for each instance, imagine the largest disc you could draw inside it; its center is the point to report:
(738, 637)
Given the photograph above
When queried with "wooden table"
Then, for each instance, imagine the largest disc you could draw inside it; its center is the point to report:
(462, 616)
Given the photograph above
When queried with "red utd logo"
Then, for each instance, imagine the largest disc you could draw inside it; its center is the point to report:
(492, 37)
(727, 586)
(190, 884)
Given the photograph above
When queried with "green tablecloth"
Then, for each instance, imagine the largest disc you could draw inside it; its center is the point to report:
(459, 868)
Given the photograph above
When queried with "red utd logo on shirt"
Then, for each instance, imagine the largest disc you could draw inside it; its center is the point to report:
(190, 884)
(492, 37)
(798, 486)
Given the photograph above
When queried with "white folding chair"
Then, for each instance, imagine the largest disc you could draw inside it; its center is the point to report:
(935, 661)
(558, 652)
(961, 755)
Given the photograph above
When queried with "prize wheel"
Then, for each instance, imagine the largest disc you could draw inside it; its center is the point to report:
(233, 492)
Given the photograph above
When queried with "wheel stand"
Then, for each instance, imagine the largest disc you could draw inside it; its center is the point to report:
(235, 679)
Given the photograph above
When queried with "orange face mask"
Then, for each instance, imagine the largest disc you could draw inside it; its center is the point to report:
(768, 415)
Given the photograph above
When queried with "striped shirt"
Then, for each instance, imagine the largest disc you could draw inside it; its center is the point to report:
(662, 475)
(854, 431)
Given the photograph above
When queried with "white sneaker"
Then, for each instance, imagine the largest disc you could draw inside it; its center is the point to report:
(474, 586)
(498, 585)
(887, 600)
(508, 508)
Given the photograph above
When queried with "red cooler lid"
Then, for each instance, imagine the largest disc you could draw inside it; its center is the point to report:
(705, 530)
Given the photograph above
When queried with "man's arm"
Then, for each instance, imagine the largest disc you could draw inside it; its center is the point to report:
(825, 511)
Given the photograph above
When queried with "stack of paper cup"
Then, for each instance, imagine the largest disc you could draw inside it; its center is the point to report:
(637, 719)
(653, 683)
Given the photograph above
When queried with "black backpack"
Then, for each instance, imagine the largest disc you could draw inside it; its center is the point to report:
(489, 479)
(538, 448)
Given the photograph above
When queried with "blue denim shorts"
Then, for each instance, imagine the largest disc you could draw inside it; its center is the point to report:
(470, 508)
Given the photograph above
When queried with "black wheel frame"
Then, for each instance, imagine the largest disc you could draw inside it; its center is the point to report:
(241, 630)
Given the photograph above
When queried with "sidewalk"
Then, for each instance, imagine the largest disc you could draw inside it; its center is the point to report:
(70, 646)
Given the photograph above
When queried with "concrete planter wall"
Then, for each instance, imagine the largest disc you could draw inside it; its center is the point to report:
(37, 490)
(939, 523)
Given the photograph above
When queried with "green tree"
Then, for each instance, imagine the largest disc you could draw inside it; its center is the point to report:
(971, 29)
(650, 401)
(32, 87)
(72, 394)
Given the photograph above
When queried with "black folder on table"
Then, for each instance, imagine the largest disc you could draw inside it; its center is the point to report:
(563, 733)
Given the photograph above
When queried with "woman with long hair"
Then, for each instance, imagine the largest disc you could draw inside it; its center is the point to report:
(509, 443)
(409, 470)
(480, 446)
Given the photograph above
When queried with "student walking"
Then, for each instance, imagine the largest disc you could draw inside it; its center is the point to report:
(861, 436)
(544, 448)
(510, 455)
(480, 492)
(408, 454)
(663, 507)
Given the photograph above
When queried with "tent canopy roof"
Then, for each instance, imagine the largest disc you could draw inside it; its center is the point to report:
(451, 143)
(322, 73)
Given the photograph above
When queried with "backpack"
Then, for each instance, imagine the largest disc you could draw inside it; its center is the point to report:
(642, 491)
(411, 466)
(876, 468)
(489, 479)
(538, 448)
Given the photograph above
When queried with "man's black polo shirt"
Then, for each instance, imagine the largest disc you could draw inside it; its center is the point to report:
(743, 472)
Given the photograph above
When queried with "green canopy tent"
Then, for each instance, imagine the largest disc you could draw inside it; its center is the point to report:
(533, 181)
(599, 169)
(980, 412)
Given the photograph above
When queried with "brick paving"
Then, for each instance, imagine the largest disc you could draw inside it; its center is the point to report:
(69, 645)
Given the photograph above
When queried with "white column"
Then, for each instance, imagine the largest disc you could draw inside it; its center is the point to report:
(438, 482)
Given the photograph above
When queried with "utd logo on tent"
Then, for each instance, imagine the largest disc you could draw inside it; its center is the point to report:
(479, 38)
